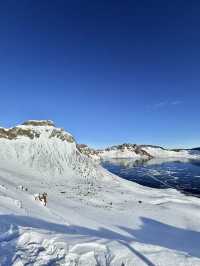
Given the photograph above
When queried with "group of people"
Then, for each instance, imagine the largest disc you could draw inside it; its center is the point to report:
(42, 197)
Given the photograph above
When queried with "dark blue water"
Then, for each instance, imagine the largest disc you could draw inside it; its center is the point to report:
(183, 175)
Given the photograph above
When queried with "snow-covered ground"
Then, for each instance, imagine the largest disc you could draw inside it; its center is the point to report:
(92, 218)
(119, 154)
(164, 153)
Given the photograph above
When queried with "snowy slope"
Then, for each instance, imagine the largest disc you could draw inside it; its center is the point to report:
(120, 154)
(44, 151)
(92, 218)
(125, 150)
(158, 152)
(136, 152)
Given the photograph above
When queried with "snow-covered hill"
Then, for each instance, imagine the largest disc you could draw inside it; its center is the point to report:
(134, 151)
(92, 218)
(40, 149)
(158, 152)
(125, 150)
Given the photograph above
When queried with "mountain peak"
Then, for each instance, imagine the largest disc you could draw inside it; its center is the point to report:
(38, 147)
(39, 123)
(36, 129)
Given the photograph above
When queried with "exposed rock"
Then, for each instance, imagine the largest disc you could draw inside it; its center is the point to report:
(122, 147)
(130, 147)
(39, 123)
(45, 151)
(13, 133)
(139, 150)
(177, 150)
(84, 149)
(30, 132)
(61, 134)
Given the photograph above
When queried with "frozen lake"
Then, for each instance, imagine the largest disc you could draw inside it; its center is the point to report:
(182, 174)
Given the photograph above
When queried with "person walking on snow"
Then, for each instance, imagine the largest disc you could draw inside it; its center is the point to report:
(44, 196)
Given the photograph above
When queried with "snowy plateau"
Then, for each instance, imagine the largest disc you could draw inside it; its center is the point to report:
(92, 217)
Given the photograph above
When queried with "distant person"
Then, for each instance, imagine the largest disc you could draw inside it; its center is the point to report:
(41, 197)
(44, 196)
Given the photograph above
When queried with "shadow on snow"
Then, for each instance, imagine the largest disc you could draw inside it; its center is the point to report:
(151, 232)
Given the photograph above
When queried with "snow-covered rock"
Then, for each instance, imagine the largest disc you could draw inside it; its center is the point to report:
(41, 149)
(125, 150)
(92, 153)
(134, 151)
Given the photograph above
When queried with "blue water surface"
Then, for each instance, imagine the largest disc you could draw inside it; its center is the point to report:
(181, 174)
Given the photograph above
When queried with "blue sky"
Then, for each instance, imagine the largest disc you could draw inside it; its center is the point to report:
(107, 71)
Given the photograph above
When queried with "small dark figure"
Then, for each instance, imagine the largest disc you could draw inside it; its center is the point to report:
(41, 197)
(139, 201)
(44, 195)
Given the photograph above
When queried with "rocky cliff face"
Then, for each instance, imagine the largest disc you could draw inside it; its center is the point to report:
(15, 132)
(84, 149)
(41, 149)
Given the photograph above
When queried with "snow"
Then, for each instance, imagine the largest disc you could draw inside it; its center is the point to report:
(163, 153)
(155, 152)
(92, 217)
(119, 154)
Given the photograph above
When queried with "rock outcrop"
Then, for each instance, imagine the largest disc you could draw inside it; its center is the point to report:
(39, 123)
(15, 132)
(134, 151)
(125, 150)
(33, 129)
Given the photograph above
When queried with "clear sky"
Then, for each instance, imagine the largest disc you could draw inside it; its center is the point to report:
(107, 71)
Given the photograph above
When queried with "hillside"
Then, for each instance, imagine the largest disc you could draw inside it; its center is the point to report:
(92, 218)
(135, 151)
(125, 150)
